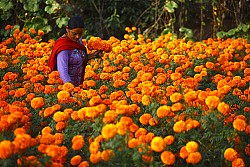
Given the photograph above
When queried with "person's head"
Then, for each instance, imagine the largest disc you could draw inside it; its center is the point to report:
(75, 28)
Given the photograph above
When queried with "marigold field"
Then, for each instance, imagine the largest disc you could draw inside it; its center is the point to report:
(144, 103)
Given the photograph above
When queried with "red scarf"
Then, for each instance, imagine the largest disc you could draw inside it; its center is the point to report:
(64, 43)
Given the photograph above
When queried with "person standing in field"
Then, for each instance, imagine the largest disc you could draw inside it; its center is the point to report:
(69, 55)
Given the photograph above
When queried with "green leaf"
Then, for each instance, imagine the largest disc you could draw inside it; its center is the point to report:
(169, 6)
(52, 6)
(5, 5)
(62, 21)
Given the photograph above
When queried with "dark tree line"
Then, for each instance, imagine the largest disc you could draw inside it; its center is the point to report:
(105, 18)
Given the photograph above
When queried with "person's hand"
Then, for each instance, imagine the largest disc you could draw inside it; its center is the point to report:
(98, 53)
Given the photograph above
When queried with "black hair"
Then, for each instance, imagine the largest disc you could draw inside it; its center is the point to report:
(74, 22)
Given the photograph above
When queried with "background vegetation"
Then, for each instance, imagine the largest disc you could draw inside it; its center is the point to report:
(194, 19)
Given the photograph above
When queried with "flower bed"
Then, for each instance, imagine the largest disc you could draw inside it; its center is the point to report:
(167, 102)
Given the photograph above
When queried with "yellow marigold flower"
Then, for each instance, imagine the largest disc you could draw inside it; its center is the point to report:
(239, 124)
(144, 118)
(192, 146)
(230, 154)
(68, 87)
(109, 130)
(169, 139)
(60, 116)
(63, 95)
(75, 160)
(106, 155)
(175, 76)
(94, 147)
(121, 128)
(212, 101)
(163, 111)
(175, 97)
(6, 149)
(179, 126)
(145, 100)
(167, 157)
(37, 102)
(194, 158)
(238, 162)
(46, 129)
(183, 152)
(158, 144)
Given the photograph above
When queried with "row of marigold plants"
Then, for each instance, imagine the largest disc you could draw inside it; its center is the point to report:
(162, 102)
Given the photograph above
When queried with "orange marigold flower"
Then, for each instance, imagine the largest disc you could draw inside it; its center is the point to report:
(95, 100)
(75, 160)
(223, 108)
(169, 139)
(59, 137)
(239, 124)
(175, 97)
(230, 154)
(163, 111)
(60, 126)
(190, 96)
(167, 157)
(6, 149)
(238, 162)
(183, 152)
(132, 143)
(158, 144)
(247, 150)
(53, 150)
(95, 158)
(144, 119)
(177, 107)
(194, 158)
(37, 102)
(179, 126)
(77, 142)
(192, 146)
(84, 164)
(133, 127)
(140, 131)
(106, 155)
(3, 94)
(212, 101)
(3, 65)
(153, 121)
(109, 131)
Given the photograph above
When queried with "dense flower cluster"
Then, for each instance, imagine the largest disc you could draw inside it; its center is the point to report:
(167, 102)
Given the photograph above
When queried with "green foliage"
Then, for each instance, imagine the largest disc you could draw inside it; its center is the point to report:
(242, 30)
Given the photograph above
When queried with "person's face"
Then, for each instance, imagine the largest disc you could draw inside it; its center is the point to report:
(74, 34)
